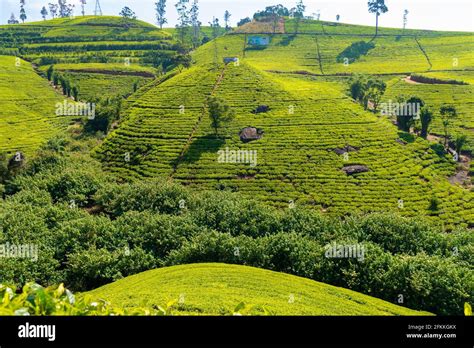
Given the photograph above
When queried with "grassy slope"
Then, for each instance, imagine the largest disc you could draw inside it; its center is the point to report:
(396, 52)
(27, 115)
(99, 79)
(70, 40)
(213, 289)
(296, 161)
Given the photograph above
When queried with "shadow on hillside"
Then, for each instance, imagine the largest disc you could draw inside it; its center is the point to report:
(409, 138)
(286, 40)
(208, 144)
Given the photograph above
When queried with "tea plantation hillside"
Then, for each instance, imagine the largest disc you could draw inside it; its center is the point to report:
(101, 56)
(28, 114)
(317, 51)
(298, 98)
(217, 289)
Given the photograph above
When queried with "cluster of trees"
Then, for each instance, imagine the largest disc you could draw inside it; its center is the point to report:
(127, 13)
(188, 14)
(62, 9)
(244, 21)
(272, 13)
(60, 80)
(107, 111)
(23, 15)
(421, 122)
(91, 231)
(188, 22)
(411, 113)
(367, 90)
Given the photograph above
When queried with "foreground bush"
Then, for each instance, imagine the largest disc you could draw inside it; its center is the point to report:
(35, 300)
(116, 230)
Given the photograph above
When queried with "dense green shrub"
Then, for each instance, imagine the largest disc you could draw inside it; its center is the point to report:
(311, 223)
(433, 283)
(155, 195)
(158, 234)
(225, 212)
(117, 230)
(398, 234)
(96, 267)
(74, 183)
(292, 253)
(219, 247)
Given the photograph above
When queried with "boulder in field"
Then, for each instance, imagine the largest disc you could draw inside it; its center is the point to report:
(346, 149)
(355, 169)
(250, 134)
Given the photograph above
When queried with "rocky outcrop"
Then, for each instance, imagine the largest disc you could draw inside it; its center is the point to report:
(250, 134)
(355, 169)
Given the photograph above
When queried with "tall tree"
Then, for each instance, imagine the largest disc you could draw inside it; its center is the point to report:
(378, 7)
(65, 9)
(406, 117)
(183, 19)
(44, 12)
(405, 19)
(219, 112)
(227, 16)
(459, 144)
(374, 92)
(161, 13)
(22, 11)
(338, 17)
(196, 24)
(448, 112)
(215, 33)
(298, 14)
(83, 7)
(318, 15)
(53, 10)
(426, 117)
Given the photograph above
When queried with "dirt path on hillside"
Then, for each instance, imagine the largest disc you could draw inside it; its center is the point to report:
(461, 177)
(410, 81)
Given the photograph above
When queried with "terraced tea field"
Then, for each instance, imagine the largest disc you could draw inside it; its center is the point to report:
(100, 79)
(101, 56)
(27, 114)
(297, 163)
(152, 132)
(435, 95)
(166, 131)
(211, 289)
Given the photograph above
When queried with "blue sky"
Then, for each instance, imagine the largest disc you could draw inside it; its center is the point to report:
(424, 14)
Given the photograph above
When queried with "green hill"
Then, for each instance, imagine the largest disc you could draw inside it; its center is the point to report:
(216, 289)
(101, 56)
(28, 113)
(167, 130)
